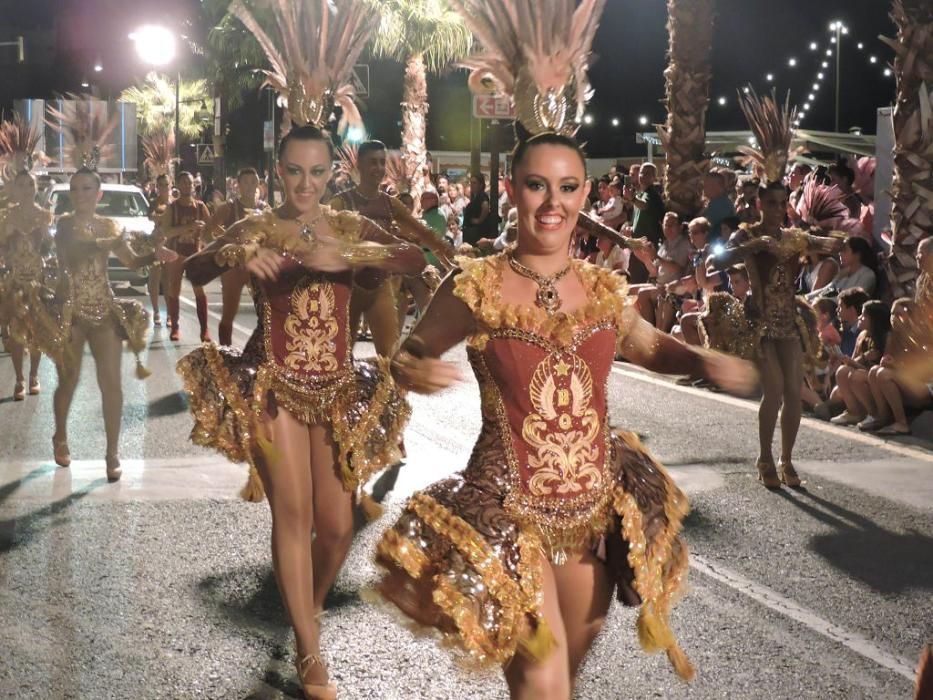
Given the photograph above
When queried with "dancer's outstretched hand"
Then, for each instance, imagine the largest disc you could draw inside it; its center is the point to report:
(731, 374)
(424, 375)
(266, 264)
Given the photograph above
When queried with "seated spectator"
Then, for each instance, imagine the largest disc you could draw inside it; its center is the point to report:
(818, 272)
(850, 303)
(746, 206)
(611, 256)
(852, 375)
(612, 212)
(718, 204)
(817, 386)
(728, 226)
(892, 390)
(666, 264)
(858, 268)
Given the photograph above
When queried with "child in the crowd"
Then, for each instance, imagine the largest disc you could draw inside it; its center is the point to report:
(852, 376)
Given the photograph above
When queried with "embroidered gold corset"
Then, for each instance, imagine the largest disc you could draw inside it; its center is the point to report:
(774, 284)
(21, 244)
(543, 387)
(83, 254)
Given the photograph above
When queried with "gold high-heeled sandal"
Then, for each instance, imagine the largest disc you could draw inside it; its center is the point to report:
(789, 475)
(767, 474)
(19, 391)
(60, 452)
(114, 471)
(314, 691)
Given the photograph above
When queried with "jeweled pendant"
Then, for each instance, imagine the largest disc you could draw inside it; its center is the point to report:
(548, 298)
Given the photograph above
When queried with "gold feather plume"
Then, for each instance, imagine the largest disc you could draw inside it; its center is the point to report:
(536, 52)
(18, 143)
(773, 127)
(347, 159)
(159, 152)
(86, 129)
(311, 53)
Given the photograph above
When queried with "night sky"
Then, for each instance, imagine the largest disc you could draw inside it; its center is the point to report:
(752, 38)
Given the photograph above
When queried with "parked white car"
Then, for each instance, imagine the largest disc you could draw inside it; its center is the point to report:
(127, 206)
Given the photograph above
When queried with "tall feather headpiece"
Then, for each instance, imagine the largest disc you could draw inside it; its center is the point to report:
(18, 142)
(537, 53)
(159, 152)
(86, 128)
(822, 205)
(773, 127)
(311, 53)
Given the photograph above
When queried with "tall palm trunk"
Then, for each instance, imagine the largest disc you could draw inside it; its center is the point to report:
(687, 80)
(414, 124)
(913, 130)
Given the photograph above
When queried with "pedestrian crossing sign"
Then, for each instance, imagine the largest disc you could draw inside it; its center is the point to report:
(205, 154)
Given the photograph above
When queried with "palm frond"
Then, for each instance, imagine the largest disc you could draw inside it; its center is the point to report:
(426, 27)
(154, 99)
(773, 127)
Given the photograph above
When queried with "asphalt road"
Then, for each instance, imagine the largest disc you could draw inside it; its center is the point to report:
(160, 586)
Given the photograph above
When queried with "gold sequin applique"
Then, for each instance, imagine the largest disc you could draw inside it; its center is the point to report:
(310, 329)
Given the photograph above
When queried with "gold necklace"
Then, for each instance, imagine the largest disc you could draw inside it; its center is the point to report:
(547, 297)
(308, 228)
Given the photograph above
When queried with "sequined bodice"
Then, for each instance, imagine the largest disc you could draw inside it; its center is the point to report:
(22, 249)
(774, 285)
(83, 254)
(305, 324)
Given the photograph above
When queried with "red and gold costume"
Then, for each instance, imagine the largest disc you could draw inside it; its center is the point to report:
(26, 306)
(773, 311)
(84, 291)
(299, 356)
(186, 244)
(548, 477)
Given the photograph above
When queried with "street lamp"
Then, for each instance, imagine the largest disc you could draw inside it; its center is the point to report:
(643, 120)
(838, 29)
(587, 119)
(615, 121)
(155, 45)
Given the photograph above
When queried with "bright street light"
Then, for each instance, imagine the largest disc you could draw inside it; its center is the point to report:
(829, 52)
(154, 44)
(792, 62)
(722, 101)
(816, 86)
(746, 89)
(587, 118)
(811, 97)
(887, 73)
(85, 84)
(615, 121)
(860, 46)
(814, 46)
(98, 67)
(873, 59)
(825, 64)
(643, 120)
(769, 77)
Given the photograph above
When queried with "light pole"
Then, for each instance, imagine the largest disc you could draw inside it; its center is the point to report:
(155, 45)
(839, 29)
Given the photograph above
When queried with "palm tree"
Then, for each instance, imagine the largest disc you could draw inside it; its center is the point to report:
(155, 105)
(687, 79)
(913, 154)
(425, 35)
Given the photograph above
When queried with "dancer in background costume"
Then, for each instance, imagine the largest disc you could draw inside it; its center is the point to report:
(380, 307)
(516, 558)
(227, 214)
(183, 227)
(779, 330)
(313, 423)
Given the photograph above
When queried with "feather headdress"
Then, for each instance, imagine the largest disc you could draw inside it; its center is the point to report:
(18, 142)
(86, 129)
(159, 152)
(311, 53)
(822, 205)
(537, 53)
(773, 127)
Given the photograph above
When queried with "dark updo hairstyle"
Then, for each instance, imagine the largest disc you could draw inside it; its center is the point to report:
(306, 133)
(547, 138)
(88, 171)
(862, 250)
(879, 315)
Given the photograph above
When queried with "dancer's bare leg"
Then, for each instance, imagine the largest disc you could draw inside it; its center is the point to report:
(172, 274)
(548, 679)
(333, 514)
(69, 372)
(772, 384)
(289, 489)
(107, 349)
(35, 358)
(154, 282)
(382, 317)
(790, 357)
(17, 354)
(231, 284)
(585, 594)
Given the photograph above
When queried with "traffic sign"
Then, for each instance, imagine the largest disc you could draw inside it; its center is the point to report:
(360, 79)
(493, 107)
(205, 154)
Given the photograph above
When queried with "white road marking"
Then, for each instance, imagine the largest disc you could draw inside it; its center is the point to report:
(849, 434)
(773, 600)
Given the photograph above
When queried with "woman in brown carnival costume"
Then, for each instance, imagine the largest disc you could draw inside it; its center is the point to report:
(328, 423)
(25, 243)
(778, 328)
(314, 424)
(517, 557)
(91, 314)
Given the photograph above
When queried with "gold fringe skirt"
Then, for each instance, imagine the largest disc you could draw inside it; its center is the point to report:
(458, 562)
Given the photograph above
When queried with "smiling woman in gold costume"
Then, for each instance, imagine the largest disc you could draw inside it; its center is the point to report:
(517, 557)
